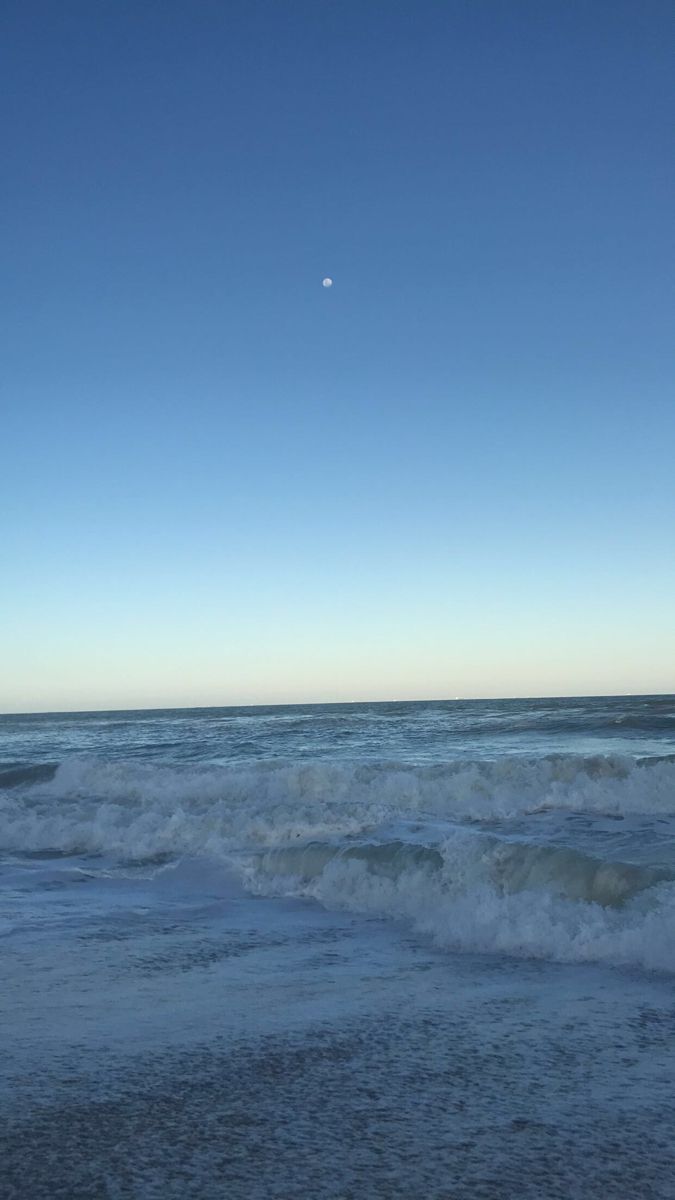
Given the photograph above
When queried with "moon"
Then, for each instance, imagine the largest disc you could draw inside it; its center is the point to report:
(327, 282)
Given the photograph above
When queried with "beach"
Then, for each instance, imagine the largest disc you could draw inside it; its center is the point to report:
(340, 951)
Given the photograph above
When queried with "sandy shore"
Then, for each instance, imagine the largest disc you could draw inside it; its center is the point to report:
(375, 1068)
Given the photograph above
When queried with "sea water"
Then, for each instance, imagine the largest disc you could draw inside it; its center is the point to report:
(387, 950)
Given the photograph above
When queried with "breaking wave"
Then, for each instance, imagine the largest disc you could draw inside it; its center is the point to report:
(127, 806)
(482, 895)
(407, 842)
(464, 860)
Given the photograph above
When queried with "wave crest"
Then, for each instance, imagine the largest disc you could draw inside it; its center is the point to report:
(145, 809)
(516, 899)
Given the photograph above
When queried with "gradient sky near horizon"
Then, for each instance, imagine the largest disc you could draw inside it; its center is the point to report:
(450, 474)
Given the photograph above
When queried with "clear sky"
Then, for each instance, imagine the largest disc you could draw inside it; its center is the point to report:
(452, 473)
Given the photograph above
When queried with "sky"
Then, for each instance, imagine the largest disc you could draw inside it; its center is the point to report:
(450, 474)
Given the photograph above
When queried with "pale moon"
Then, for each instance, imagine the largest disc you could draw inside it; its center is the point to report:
(327, 282)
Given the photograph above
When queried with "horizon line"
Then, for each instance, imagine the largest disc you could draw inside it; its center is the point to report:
(59, 712)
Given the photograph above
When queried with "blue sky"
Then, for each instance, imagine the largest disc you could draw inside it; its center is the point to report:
(450, 474)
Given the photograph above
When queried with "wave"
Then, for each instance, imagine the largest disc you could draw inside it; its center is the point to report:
(145, 808)
(324, 830)
(465, 859)
(17, 774)
(140, 810)
(485, 896)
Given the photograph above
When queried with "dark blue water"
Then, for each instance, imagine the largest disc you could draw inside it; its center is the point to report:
(420, 731)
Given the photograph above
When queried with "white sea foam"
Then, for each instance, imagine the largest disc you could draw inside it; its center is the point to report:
(506, 898)
(399, 841)
(142, 809)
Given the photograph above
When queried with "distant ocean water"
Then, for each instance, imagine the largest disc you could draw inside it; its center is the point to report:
(455, 908)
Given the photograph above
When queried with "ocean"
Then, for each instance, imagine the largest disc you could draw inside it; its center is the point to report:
(397, 950)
